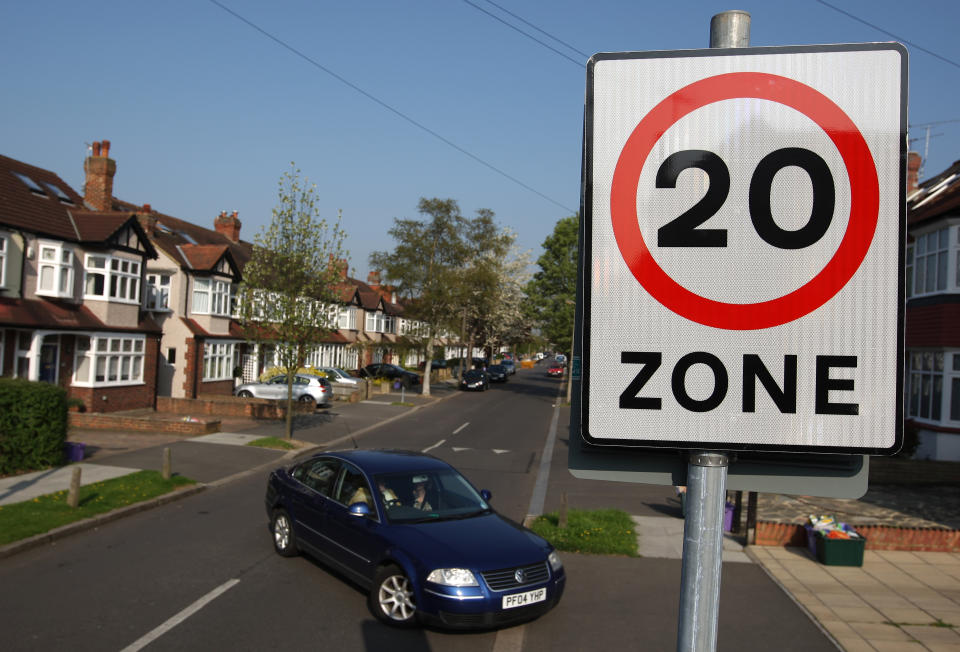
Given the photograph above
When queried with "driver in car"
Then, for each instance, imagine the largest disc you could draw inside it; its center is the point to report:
(420, 496)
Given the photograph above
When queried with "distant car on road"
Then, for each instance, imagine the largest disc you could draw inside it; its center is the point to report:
(477, 379)
(414, 532)
(555, 370)
(510, 366)
(498, 373)
(338, 376)
(306, 388)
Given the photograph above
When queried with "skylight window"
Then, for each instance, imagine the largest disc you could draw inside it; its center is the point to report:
(30, 183)
(187, 237)
(58, 193)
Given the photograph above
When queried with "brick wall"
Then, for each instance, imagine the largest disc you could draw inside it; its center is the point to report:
(879, 537)
(253, 408)
(93, 421)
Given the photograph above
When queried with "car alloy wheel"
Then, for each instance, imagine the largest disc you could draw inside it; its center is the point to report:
(284, 540)
(306, 398)
(392, 597)
(245, 394)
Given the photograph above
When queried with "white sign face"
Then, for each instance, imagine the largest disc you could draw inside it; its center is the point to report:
(744, 215)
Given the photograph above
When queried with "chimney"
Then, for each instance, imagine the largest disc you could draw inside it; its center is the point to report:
(373, 280)
(913, 171)
(228, 225)
(99, 169)
(147, 219)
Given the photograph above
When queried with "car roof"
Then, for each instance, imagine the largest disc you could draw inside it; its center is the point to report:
(375, 461)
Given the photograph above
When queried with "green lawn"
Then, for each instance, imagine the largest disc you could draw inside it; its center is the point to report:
(44, 513)
(272, 442)
(597, 532)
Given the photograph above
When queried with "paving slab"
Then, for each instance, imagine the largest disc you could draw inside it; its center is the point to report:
(661, 537)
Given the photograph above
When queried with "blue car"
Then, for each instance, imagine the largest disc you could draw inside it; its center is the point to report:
(415, 532)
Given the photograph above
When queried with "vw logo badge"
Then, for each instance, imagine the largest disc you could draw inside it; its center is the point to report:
(518, 575)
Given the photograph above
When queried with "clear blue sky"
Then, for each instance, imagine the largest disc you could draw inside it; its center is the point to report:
(205, 113)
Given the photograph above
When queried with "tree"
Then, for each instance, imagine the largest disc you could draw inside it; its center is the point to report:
(290, 290)
(424, 266)
(552, 291)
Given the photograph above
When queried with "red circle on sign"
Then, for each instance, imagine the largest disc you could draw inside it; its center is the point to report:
(864, 201)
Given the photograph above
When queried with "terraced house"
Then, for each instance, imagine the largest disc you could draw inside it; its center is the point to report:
(120, 303)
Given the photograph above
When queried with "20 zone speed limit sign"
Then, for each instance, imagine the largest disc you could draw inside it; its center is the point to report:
(744, 220)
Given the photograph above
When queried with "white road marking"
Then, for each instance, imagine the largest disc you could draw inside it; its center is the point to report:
(461, 427)
(457, 449)
(430, 448)
(153, 635)
(500, 451)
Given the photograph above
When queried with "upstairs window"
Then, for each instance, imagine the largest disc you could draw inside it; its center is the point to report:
(212, 297)
(108, 277)
(158, 291)
(928, 260)
(55, 270)
(348, 319)
(3, 261)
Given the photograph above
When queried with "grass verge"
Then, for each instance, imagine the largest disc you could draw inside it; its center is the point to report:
(45, 513)
(273, 442)
(596, 532)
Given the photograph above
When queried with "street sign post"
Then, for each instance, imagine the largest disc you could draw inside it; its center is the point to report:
(744, 221)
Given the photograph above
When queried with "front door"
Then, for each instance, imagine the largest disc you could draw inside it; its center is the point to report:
(49, 355)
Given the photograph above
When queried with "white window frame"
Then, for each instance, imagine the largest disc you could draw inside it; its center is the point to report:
(376, 321)
(928, 262)
(109, 360)
(118, 285)
(219, 359)
(4, 248)
(217, 295)
(60, 267)
(348, 318)
(158, 292)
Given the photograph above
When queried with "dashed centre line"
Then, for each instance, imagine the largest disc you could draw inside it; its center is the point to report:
(430, 448)
(461, 427)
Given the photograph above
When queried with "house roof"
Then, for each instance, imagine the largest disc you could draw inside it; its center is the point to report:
(188, 243)
(39, 210)
(935, 197)
(60, 315)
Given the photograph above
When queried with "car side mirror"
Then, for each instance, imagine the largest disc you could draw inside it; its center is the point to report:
(360, 509)
(486, 495)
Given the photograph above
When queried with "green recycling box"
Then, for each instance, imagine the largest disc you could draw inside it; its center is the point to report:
(840, 552)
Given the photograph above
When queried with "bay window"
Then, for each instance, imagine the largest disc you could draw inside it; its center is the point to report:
(104, 360)
(211, 297)
(348, 318)
(219, 360)
(112, 278)
(3, 259)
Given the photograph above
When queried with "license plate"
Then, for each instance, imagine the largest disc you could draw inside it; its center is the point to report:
(521, 599)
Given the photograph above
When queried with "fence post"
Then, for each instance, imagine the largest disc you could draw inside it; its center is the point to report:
(167, 464)
(73, 496)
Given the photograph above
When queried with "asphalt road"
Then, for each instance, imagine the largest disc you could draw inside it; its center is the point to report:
(201, 574)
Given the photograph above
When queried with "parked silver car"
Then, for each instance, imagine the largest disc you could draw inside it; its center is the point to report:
(306, 388)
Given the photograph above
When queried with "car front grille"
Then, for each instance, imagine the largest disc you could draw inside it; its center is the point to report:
(506, 578)
(497, 618)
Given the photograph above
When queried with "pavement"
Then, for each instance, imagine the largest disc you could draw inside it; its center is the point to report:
(895, 601)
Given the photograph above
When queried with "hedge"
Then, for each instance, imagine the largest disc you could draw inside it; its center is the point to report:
(33, 425)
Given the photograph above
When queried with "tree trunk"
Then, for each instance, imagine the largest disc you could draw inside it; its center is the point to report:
(427, 365)
(289, 424)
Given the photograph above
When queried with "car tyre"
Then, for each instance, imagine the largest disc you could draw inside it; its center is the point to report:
(245, 394)
(391, 598)
(306, 398)
(284, 538)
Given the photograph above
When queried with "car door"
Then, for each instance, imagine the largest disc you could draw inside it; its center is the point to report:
(356, 540)
(311, 502)
(275, 388)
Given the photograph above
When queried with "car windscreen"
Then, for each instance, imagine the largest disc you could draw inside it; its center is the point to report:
(428, 496)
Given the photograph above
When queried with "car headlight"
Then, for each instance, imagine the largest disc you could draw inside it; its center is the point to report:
(554, 560)
(452, 577)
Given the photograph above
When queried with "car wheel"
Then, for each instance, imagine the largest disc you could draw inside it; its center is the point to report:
(284, 539)
(391, 598)
(245, 394)
(306, 398)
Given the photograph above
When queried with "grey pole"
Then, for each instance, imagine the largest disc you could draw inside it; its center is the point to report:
(706, 473)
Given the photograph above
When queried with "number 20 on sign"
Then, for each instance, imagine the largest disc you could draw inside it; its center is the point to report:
(744, 216)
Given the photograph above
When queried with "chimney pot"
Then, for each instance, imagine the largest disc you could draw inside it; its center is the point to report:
(147, 208)
(96, 148)
(106, 148)
(99, 169)
(913, 171)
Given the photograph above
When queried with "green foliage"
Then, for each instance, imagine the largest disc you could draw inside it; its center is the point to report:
(272, 442)
(597, 532)
(552, 291)
(290, 292)
(44, 513)
(33, 425)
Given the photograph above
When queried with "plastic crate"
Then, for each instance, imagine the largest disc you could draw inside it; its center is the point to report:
(840, 552)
